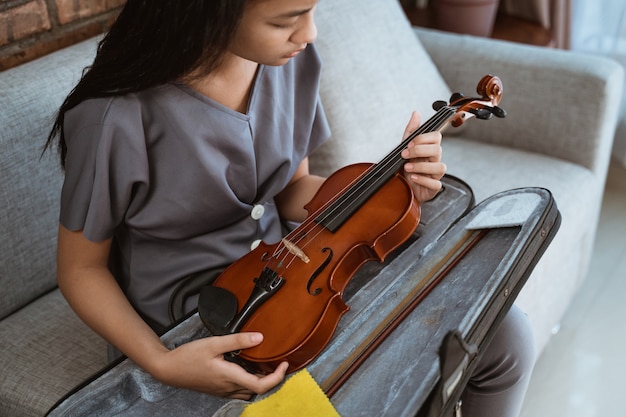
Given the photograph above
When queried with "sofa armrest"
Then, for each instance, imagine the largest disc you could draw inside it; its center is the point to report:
(559, 103)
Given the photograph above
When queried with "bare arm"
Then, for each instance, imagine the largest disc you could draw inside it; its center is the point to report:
(94, 294)
(85, 281)
(298, 193)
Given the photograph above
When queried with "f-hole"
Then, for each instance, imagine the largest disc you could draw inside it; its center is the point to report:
(318, 271)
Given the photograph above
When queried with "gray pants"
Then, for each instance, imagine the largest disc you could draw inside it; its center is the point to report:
(498, 385)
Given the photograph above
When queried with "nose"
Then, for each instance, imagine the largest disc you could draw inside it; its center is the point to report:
(307, 32)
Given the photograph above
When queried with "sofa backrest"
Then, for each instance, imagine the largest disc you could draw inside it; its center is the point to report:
(29, 182)
(375, 73)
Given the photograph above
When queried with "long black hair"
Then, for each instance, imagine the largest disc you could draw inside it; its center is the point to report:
(152, 43)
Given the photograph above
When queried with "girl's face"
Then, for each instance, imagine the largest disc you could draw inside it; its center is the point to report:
(274, 31)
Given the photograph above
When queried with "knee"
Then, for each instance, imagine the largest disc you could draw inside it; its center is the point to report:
(520, 340)
(510, 357)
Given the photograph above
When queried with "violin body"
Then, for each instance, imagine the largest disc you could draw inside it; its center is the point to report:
(291, 291)
(298, 320)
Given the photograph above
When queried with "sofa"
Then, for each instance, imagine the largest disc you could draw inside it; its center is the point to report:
(562, 113)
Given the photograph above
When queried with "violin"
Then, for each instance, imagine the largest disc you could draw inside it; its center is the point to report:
(291, 291)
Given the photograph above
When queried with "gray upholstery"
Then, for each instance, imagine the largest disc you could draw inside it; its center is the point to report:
(562, 110)
(29, 98)
(45, 350)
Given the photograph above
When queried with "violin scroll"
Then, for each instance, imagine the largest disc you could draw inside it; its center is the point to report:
(490, 88)
(483, 107)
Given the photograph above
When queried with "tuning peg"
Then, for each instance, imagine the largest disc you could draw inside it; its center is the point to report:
(456, 97)
(483, 114)
(439, 104)
(495, 110)
(498, 111)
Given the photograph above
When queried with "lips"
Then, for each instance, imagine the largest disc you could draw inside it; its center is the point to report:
(293, 54)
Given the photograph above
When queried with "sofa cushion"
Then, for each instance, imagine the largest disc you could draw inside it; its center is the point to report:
(30, 184)
(46, 351)
(393, 75)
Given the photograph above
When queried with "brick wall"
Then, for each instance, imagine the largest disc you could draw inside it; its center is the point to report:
(33, 28)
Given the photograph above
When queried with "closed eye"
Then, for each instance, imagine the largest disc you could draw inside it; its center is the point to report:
(285, 24)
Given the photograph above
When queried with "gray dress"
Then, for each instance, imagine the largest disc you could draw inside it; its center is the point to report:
(182, 183)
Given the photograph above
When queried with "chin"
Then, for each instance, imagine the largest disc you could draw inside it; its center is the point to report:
(277, 62)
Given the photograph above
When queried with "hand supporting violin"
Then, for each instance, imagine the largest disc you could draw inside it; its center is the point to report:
(200, 365)
(95, 295)
(423, 168)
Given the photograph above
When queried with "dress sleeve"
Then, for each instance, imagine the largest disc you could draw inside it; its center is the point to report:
(105, 167)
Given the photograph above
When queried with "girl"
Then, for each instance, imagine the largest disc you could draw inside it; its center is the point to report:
(184, 144)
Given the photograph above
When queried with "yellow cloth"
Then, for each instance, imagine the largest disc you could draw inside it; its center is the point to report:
(300, 396)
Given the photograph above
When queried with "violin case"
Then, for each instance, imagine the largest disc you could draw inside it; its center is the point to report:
(445, 290)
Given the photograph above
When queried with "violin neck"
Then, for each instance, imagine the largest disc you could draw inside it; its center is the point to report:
(346, 203)
(393, 161)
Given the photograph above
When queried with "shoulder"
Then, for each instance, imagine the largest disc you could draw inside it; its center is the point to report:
(304, 70)
(110, 116)
(116, 107)
(309, 60)
(95, 113)
(311, 54)
(99, 127)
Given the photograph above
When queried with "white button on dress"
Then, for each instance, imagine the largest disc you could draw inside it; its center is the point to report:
(257, 211)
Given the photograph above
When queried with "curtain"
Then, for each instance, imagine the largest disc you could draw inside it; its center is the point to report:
(551, 14)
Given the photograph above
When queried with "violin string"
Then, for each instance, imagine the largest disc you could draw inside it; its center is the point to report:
(392, 159)
(432, 124)
(388, 165)
(360, 185)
